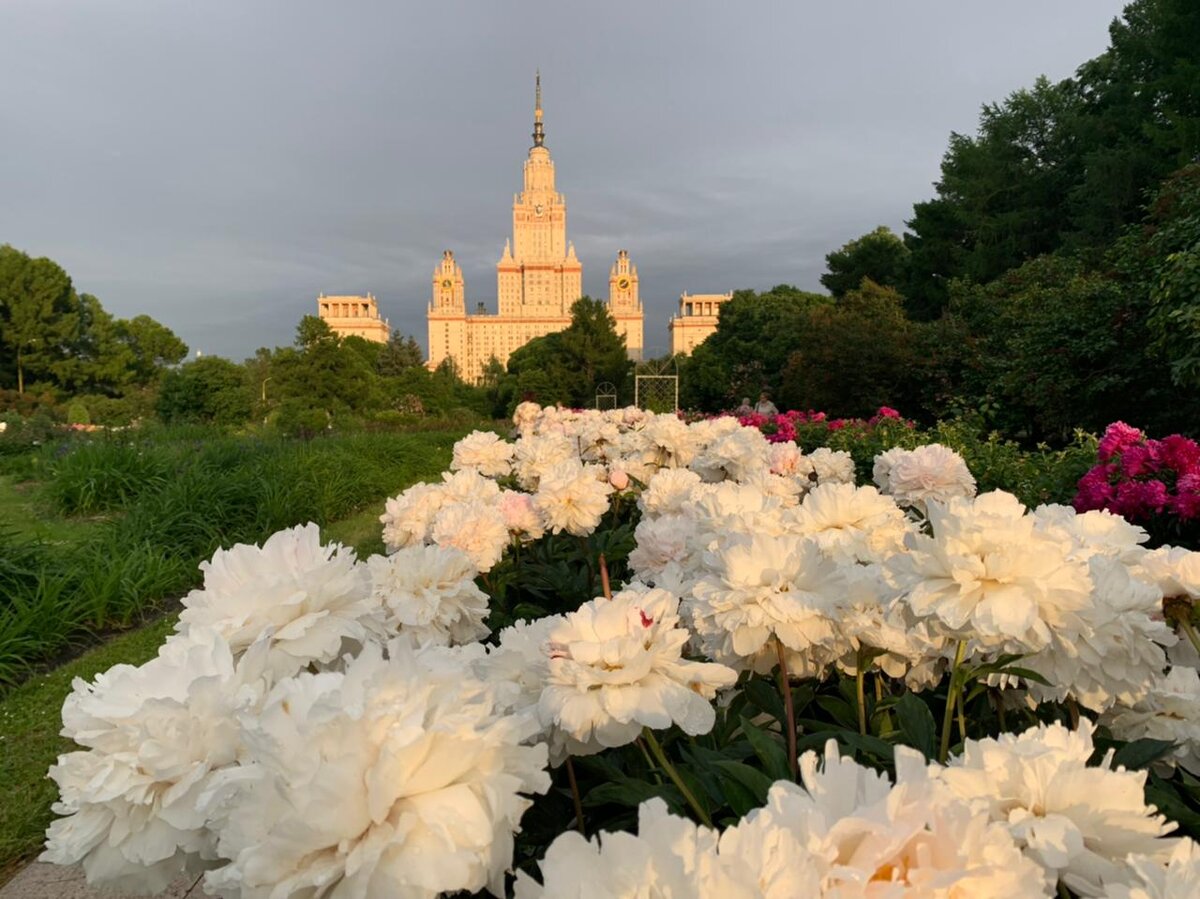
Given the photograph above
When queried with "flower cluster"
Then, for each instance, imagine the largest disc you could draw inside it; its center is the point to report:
(282, 743)
(1140, 478)
(1010, 817)
(322, 724)
(782, 427)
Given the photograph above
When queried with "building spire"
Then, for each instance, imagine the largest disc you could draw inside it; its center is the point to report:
(539, 134)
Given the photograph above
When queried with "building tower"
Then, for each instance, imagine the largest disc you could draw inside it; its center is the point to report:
(624, 304)
(538, 275)
(538, 278)
(353, 316)
(446, 316)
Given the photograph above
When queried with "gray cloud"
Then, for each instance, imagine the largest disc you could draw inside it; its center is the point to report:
(219, 164)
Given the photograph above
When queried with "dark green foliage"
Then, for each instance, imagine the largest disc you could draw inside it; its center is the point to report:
(398, 355)
(1058, 347)
(1067, 165)
(52, 336)
(1161, 259)
(210, 390)
(567, 366)
(879, 255)
(852, 357)
(171, 499)
(756, 335)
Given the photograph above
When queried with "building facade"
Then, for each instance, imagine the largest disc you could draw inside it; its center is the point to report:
(354, 317)
(695, 321)
(538, 277)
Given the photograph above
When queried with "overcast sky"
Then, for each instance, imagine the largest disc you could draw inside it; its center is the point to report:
(218, 164)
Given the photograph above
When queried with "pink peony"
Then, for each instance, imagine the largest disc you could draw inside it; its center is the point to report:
(1187, 504)
(1095, 489)
(1137, 500)
(1139, 459)
(1179, 453)
(1117, 437)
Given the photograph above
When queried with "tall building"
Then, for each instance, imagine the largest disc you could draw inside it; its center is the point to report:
(696, 320)
(353, 317)
(538, 277)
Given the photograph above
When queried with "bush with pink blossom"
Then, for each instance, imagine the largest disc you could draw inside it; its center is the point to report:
(1155, 483)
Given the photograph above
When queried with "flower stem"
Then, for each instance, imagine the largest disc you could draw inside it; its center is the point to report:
(951, 697)
(578, 801)
(785, 688)
(1190, 633)
(641, 744)
(604, 582)
(860, 683)
(666, 765)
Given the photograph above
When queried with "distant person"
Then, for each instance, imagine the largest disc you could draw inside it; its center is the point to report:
(745, 408)
(765, 406)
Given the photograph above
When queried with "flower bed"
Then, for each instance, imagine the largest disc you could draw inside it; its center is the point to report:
(1153, 482)
(627, 655)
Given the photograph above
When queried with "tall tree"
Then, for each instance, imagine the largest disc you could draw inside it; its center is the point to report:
(879, 255)
(39, 315)
(398, 354)
(153, 345)
(567, 366)
(852, 357)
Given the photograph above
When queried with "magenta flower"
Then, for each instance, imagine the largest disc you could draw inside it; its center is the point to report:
(1117, 437)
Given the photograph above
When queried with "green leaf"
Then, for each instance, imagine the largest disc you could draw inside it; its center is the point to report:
(769, 750)
(839, 710)
(754, 781)
(630, 793)
(917, 724)
(529, 611)
(765, 697)
(1142, 753)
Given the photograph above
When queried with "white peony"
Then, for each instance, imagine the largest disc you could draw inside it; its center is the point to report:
(850, 833)
(407, 518)
(766, 587)
(787, 459)
(831, 466)
(484, 452)
(476, 528)
(428, 595)
(734, 455)
(668, 491)
(525, 416)
(851, 524)
(669, 858)
(1080, 823)
(616, 666)
(1169, 711)
(468, 486)
(672, 443)
(537, 454)
(988, 576)
(572, 497)
(155, 736)
(396, 778)
(521, 516)
(1097, 532)
(312, 599)
(1175, 570)
(1179, 878)
(1115, 653)
(930, 472)
(661, 542)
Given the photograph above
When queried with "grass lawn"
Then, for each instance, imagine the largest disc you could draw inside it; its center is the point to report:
(30, 713)
(24, 514)
(29, 740)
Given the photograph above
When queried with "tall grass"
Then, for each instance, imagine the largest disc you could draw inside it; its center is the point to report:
(170, 500)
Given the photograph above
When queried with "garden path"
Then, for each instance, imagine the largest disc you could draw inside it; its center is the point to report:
(43, 881)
